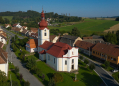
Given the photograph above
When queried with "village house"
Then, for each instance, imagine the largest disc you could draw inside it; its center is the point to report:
(3, 39)
(1, 45)
(17, 25)
(60, 56)
(25, 27)
(94, 39)
(3, 61)
(32, 45)
(24, 32)
(85, 47)
(106, 52)
(7, 25)
(68, 39)
(54, 38)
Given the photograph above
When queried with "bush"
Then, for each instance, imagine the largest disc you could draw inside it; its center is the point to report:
(81, 57)
(92, 66)
(16, 70)
(26, 83)
(107, 64)
(15, 83)
(103, 65)
(51, 82)
(57, 77)
(86, 61)
(20, 77)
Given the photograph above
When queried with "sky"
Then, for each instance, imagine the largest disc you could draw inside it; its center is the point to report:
(80, 8)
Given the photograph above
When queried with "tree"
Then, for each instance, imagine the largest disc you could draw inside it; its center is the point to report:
(75, 32)
(107, 64)
(3, 78)
(51, 82)
(117, 19)
(6, 20)
(81, 57)
(26, 83)
(92, 66)
(1, 20)
(86, 61)
(117, 35)
(57, 77)
(16, 70)
(31, 63)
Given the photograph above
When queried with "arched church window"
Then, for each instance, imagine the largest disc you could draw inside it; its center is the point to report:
(39, 32)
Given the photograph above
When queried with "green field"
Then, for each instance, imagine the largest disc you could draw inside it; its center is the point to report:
(89, 26)
(8, 17)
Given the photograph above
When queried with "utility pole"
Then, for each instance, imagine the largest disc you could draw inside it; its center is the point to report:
(11, 57)
(89, 51)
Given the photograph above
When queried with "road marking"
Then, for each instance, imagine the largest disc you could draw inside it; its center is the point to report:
(101, 78)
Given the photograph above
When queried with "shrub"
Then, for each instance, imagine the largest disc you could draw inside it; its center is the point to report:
(107, 64)
(20, 77)
(51, 82)
(43, 76)
(16, 70)
(26, 83)
(92, 66)
(57, 77)
(81, 57)
(103, 65)
(15, 83)
(86, 61)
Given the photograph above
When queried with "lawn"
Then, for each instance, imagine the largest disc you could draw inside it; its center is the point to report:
(13, 76)
(85, 77)
(116, 76)
(89, 26)
(8, 17)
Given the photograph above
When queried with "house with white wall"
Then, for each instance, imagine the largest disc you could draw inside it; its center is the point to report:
(31, 45)
(3, 39)
(3, 61)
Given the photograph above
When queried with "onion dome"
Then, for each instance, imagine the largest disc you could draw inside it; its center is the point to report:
(43, 23)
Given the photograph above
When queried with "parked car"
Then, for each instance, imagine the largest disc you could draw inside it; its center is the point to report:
(11, 49)
(115, 70)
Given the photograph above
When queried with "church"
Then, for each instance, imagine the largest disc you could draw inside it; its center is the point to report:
(59, 56)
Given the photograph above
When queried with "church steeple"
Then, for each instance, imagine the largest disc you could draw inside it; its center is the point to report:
(43, 24)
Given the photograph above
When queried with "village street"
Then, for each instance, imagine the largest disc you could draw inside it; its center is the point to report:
(22, 70)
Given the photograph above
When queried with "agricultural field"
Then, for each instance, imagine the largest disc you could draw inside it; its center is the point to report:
(8, 17)
(89, 26)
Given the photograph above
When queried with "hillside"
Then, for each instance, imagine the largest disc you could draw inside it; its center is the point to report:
(89, 26)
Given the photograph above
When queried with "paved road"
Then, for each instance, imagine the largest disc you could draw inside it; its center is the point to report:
(104, 75)
(26, 74)
(10, 33)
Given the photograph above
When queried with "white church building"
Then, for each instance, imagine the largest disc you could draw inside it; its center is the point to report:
(60, 56)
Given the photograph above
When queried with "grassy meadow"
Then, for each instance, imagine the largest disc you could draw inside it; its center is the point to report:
(8, 17)
(89, 26)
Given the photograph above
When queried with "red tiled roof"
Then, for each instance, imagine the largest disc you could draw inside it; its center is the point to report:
(109, 49)
(52, 37)
(84, 45)
(42, 52)
(33, 43)
(59, 49)
(46, 45)
(34, 30)
(1, 44)
(3, 56)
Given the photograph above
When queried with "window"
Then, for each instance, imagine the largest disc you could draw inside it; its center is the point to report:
(114, 59)
(45, 34)
(54, 60)
(111, 58)
(72, 53)
(93, 51)
(72, 60)
(108, 57)
(48, 57)
(65, 62)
